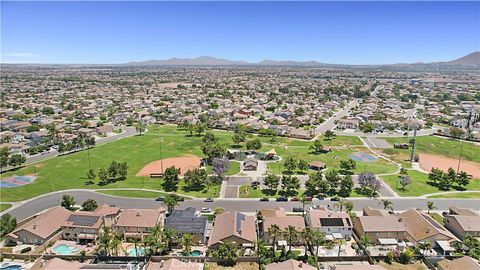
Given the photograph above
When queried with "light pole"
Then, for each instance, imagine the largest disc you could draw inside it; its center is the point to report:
(460, 157)
(161, 157)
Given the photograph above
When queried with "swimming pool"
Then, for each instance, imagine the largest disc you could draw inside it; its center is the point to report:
(193, 253)
(11, 267)
(64, 249)
(134, 253)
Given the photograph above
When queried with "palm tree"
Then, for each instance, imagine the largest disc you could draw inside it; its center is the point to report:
(217, 211)
(425, 246)
(187, 242)
(116, 241)
(318, 240)
(341, 204)
(430, 206)
(308, 235)
(340, 243)
(135, 243)
(103, 240)
(304, 201)
(259, 245)
(274, 232)
(169, 234)
(365, 241)
(387, 204)
(291, 235)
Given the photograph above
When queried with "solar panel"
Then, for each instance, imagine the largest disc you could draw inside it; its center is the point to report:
(81, 220)
(331, 222)
(240, 217)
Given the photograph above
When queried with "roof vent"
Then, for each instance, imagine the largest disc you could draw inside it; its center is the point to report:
(35, 226)
(138, 213)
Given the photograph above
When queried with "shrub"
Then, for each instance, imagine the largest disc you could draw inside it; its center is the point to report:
(389, 258)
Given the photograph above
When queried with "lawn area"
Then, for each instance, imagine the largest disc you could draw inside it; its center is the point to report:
(397, 266)
(247, 191)
(441, 146)
(332, 159)
(4, 206)
(133, 193)
(464, 195)
(418, 185)
(69, 171)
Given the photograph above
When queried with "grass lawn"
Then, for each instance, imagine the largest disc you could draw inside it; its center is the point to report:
(465, 195)
(438, 218)
(332, 159)
(133, 193)
(441, 146)
(247, 191)
(418, 185)
(4, 207)
(69, 171)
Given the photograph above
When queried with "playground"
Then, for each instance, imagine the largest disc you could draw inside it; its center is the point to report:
(184, 163)
(16, 181)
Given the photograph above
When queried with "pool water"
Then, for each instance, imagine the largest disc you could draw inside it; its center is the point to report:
(63, 249)
(12, 267)
(134, 253)
(193, 253)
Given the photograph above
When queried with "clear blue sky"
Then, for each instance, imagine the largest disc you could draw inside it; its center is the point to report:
(329, 32)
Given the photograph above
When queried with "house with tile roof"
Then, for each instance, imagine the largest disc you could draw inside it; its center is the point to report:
(235, 227)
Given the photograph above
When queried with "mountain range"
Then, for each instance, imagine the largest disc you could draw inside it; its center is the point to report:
(470, 61)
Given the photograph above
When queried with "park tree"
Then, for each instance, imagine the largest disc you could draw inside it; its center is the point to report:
(140, 128)
(16, 160)
(8, 223)
(290, 184)
(456, 132)
(195, 179)
(122, 170)
(369, 183)
(209, 137)
(254, 144)
(220, 167)
(238, 138)
(200, 128)
(171, 179)
(329, 134)
(347, 166)
(290, 165)
(317, 147)
(113, 170)
(302, 165)
(226, 253)
(213, 150)
(103, 176)
(462, 179)
(272, 181)
(3, 157)
(89, 205)
(333, 179)
(404, 180)
(445, 182)
(346, 186)
(312, 183)
(366, 127)
(435, 175)
(67, 202)
(324, 187)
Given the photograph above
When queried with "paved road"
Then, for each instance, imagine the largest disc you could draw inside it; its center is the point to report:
(39, 204)
(423, 132)
(329, 124)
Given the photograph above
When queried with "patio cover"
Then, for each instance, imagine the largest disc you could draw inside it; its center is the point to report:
(445, 245)
(329, 237)
(337, 235)
(387, 241)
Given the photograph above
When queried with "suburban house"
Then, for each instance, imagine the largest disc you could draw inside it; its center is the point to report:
(109, 214)
(348, 123)
(335, 225)
(349, 266)
(290, 264)
(381, 230)
(368, 211)
(173, 264)
(235, 227)
(279, 217)
(464, 263)
(41, 228)
(137, 223)
(250, 165)
(467, 222)
(187, 221)
(421, 227)
(82, 226)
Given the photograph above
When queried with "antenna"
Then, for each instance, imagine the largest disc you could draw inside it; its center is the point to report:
(161, 158)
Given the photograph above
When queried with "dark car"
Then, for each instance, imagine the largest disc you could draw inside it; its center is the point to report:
(208, 200)
(335, 199)
(256, 183)
(160, 199)
(297, 209)
(263, 199)
(294, 199)
(282, 199)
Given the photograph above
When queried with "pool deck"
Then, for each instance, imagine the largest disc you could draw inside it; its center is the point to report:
(88, 249)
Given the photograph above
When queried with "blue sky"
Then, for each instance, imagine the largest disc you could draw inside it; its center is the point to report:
(329, 32)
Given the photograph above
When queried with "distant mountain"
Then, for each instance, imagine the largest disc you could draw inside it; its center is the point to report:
(199, 61)
(471, 61)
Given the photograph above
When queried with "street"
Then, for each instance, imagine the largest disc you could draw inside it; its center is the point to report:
(41, 203)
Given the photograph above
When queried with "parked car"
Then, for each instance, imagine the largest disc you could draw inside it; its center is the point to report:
(160, 199)
(297, 209)
(208, 200)
(308, 199)
(282, 199)
(294, 199)
(335, 199)
(320, 198)
(205, 210)
(263, 199)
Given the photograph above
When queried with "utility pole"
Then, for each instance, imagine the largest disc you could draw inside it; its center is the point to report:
(412, 156)
(460, 157)
(89, 162)
(161, 157)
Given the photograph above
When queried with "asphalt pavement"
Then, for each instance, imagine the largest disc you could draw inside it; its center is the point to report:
(42, 203)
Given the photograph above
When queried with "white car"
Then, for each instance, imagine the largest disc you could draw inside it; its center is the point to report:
(206, 210)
